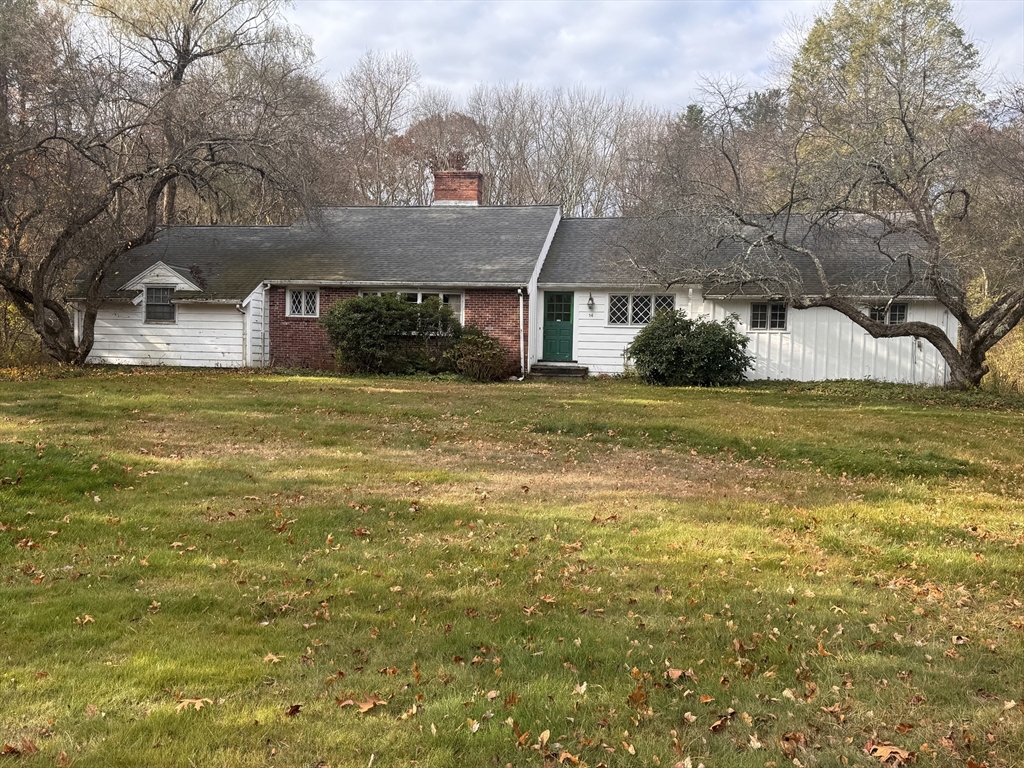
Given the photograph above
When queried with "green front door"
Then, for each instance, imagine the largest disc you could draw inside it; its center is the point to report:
(557, 326)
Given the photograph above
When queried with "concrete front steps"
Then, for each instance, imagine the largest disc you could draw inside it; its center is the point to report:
(558, 371)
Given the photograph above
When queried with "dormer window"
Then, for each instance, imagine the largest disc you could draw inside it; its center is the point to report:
(159, 308)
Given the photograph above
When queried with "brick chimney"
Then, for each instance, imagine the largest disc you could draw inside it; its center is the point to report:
(458, 187)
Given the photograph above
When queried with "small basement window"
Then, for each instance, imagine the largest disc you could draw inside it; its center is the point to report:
(303, 303)
(159, 308)
(897, 314)
(768, 316)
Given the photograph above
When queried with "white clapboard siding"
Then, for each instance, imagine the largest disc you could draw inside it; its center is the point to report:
(818, 344)
(207, 335)
(255, 327)
(597, 345)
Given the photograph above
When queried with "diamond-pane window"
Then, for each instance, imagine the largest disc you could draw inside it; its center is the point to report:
(303, 303)
(618, 310)
(640, 313)
(664, 303)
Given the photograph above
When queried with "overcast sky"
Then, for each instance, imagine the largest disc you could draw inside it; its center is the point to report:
(654, 51)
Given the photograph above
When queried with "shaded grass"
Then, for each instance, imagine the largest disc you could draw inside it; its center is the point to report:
(796, 547)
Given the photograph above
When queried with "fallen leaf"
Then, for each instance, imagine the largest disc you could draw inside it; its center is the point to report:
(196, 704)
(792, 742)
(271, 659)
(889, 754)
(293, 710)
(369, 702)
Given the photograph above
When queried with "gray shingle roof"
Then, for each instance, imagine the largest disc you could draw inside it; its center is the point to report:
(598, 253)
(592, 252)
(435, 246)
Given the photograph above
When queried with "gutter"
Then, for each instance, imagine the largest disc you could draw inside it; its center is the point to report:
(522, 348)
(421, 284)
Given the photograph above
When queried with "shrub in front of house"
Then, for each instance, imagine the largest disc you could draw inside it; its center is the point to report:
(479, 356)
(676, 351)
(387, 334)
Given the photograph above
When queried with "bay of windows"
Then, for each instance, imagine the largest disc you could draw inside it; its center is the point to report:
(637, 309)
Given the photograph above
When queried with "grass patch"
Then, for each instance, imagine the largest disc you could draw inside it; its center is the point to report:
(223, 568)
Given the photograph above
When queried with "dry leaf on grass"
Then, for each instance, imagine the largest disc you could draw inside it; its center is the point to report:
(196, 704)
(888, 754)
(365, 703)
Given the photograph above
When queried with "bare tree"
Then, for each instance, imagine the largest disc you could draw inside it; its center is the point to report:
(379, 96)
(86, 159)
(845, 198)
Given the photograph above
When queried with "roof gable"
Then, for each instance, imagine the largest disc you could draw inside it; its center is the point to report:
(163, 274)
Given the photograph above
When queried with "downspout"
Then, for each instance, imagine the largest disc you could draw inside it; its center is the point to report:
(522, 348)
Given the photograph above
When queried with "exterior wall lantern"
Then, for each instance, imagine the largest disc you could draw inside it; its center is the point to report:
(590, 302)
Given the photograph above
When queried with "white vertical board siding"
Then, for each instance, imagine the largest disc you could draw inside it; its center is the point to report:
(208, 335)
(818, 344)
(255, 328)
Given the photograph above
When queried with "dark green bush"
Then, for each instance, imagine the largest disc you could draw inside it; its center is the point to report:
(676, 351)
(479, 356)
(437, 329)
(387, 334)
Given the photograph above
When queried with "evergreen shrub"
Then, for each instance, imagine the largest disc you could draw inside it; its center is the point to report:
(676, 351)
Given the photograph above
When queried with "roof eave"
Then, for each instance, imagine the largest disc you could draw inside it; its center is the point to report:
(395, 283)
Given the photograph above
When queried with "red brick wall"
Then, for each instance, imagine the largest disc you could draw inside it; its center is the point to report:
(458, 186)
(497, 313)
(300, 342)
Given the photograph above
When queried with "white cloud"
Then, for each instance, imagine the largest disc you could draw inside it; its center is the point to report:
(654, 51)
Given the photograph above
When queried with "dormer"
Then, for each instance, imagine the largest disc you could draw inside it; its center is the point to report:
(157, 286)
(178, 278)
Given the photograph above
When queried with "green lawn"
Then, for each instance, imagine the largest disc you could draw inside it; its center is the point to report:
(221, 569)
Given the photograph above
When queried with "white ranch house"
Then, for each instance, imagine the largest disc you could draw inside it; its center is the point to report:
(555, 291)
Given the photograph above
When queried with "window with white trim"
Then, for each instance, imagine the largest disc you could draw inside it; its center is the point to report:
(159, 306)
(897, 314)
(637, 309)
(768, 316)
(451, 300)
(303, 302)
